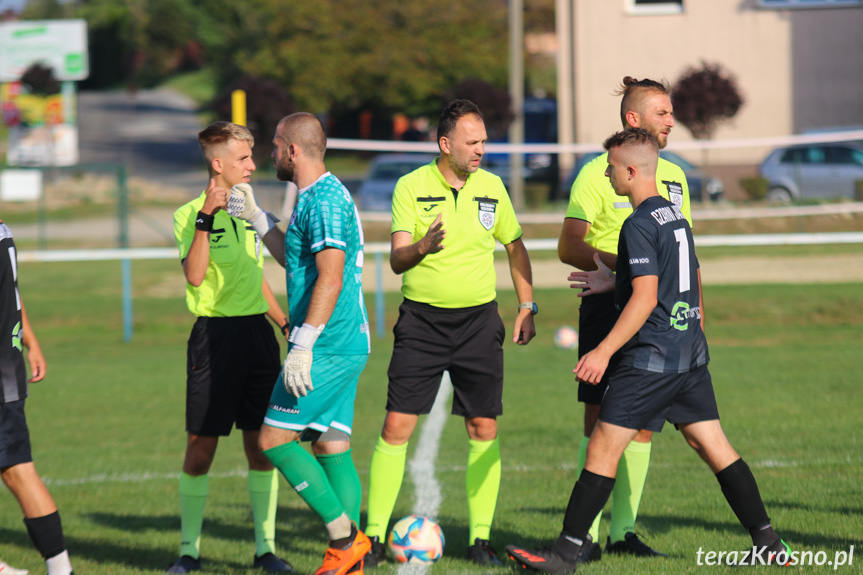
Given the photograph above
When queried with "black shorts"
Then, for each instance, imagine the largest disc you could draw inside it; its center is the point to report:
(14, 435)
(468, 342)
(596, 317)
(639, 399)
(232, 365)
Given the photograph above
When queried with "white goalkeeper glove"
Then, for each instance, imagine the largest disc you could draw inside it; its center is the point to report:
(297, 370)
(242, 204)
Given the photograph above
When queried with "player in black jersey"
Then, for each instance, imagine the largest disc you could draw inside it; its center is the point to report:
(16, 462)
(656, 358)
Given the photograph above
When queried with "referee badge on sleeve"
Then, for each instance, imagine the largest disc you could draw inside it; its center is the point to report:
(487, 208)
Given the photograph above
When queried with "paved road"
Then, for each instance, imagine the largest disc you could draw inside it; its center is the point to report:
(153, 133)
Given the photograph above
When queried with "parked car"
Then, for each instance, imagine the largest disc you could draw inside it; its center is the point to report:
(540, 127)
(698, 181)
(812, 171)
(376, 191)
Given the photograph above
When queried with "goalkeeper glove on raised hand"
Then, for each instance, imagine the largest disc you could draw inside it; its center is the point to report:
(242, 204)
(297, 370)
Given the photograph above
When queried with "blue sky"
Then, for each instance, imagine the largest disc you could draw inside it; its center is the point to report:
(15, 5)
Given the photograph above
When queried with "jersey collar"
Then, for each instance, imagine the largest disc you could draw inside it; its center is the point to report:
(442, 180)
(313, 184)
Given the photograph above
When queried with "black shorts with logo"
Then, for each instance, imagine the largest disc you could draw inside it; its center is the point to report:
(596, 317)
(14, 435)
(468, 342)
(231, 367)
(639, 399)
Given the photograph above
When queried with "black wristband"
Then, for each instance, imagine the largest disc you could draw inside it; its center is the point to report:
(204, 222)
(284, 328)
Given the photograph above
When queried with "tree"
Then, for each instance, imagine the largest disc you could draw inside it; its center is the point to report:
(386, 55)
(705, 97)
(266, 104)
(40, 80)
(494, 103)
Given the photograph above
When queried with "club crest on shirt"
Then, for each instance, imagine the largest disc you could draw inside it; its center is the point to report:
(487, 214)
(675, 193)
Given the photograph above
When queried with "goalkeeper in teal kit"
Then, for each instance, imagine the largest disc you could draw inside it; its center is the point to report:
(322, 252)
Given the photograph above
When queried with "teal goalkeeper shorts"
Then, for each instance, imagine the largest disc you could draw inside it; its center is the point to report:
(329, 404)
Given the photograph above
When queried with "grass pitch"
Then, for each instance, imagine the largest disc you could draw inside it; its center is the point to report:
(107, 432)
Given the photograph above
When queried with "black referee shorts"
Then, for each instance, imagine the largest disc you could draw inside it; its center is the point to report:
(466, 341)
(14, 435)
(232, 366)
(639, 399)
(596, 317)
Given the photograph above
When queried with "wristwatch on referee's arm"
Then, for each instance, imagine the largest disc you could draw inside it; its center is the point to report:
(529, 305)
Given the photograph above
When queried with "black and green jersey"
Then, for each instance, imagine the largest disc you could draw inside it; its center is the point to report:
(656, 240)
(13, 372)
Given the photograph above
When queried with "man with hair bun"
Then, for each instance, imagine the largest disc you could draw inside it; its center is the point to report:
(590, 230)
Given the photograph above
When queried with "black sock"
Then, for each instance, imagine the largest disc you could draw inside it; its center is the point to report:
(741, 492)
(345, 542)
(46, 533)
(589, 496)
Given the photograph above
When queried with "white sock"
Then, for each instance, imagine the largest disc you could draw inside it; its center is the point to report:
(59, 564)
(338, 528)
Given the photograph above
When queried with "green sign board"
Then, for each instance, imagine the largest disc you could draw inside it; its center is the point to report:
(60, 44)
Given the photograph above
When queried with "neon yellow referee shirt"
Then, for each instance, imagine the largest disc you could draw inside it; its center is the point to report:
(235, 274)
(593, 200)
(462, 274)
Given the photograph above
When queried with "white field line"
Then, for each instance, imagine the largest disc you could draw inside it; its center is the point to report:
(422, 466)
(146, 477)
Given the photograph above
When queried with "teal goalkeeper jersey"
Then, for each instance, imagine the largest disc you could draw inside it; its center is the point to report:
(326, 217)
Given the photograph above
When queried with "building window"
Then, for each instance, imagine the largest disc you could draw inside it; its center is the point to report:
(655, 6)
(808, 3)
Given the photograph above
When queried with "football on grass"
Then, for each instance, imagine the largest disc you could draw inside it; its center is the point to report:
(416, 539)
(566, 337)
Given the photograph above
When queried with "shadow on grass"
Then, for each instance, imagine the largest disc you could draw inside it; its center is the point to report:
(298, 530)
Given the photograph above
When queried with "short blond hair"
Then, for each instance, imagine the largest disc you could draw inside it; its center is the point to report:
(214, 137)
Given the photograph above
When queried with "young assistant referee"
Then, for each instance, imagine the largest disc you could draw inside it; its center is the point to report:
(233, 356)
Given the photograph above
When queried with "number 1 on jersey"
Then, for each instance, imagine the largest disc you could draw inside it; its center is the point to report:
(683, 255)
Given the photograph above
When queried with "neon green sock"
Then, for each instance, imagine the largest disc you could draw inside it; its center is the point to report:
(582, 457)
(193, 497)
(628, 487)
(264, 495)
(343, 477)
(385, 480)
(307, 478)
(483, 484)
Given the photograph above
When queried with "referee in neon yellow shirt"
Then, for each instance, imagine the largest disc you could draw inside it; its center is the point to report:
(446, 218)
(233, 355)
(591, 229)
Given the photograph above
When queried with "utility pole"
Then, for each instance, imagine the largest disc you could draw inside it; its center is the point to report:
(563, 25)
(516, 93)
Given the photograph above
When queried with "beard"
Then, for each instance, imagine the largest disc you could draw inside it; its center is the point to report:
(285, 170)
(463, 165)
